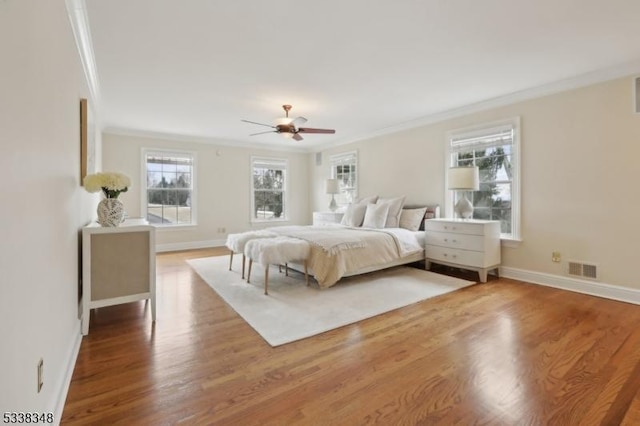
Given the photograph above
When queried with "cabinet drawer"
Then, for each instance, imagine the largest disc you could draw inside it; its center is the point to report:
(462, 257)
(451, 240)
(455, 227)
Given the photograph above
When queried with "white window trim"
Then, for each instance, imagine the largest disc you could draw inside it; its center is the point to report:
(285, 210)
(335, 158)
(515, 236)
(194, 188)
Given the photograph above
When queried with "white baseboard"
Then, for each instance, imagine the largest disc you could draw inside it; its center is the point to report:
(593, 288)
(65, 380)
(189, 245)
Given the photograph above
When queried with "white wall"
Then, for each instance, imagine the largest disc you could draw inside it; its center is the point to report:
(580, 161)
(410, 163)
(223, 186)
(43, 204)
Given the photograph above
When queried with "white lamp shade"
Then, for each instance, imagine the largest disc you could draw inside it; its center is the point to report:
(464, 178)
(332, 186)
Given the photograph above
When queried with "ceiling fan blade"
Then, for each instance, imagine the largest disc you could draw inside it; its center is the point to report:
(311, 130)
(262, 133)
(298, 121)
(297, 137)
(259, 124)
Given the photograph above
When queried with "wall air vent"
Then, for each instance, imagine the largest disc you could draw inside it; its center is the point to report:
(582, 269)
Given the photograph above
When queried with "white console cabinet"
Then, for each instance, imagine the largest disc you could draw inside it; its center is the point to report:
(467, 244)
(118, 266)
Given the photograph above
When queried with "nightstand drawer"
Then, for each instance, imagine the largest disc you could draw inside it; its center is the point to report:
(462, 257)
(454, 227)
(451, 240)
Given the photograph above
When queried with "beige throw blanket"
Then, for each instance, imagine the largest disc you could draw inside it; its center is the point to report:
(338, 250)
(330, 239)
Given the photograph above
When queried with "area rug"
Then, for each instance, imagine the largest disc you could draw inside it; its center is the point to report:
(293, 311)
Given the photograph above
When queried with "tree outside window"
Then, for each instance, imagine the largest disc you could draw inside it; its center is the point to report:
(494, 149)
(169, 187)
(493, 200)
(268, 187)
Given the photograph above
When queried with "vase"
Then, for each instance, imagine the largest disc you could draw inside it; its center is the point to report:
(110, 212)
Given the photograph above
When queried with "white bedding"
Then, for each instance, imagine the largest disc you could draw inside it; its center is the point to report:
(365, 249)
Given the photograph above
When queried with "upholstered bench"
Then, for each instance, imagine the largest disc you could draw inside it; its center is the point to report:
(236, 243)
(278, 251)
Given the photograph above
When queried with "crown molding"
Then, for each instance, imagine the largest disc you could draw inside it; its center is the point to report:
(77, 12)
(583, 80)
(203, 140)
(79, 20)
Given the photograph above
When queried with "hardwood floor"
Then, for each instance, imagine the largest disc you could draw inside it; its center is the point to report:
(503, 353)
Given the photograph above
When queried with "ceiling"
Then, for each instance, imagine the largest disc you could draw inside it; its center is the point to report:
(195, 68)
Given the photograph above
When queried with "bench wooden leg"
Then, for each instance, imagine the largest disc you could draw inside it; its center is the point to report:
(266, 279)
(249, 272)
(286, 269)
(243, 260)
(230, 259)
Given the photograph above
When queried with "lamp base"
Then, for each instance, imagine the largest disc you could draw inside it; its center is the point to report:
(464, 208)
(332, 205)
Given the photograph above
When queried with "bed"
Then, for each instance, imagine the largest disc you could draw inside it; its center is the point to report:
(339, 251)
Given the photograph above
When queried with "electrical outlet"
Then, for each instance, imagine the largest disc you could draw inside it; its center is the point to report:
(224, 230)
(40, 374)
(555, 256)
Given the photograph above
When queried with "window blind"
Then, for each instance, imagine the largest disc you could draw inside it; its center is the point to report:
(485, 138)
(346, 158)
(268, 163)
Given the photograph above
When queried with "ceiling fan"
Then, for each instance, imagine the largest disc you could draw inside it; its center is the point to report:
(288, 127)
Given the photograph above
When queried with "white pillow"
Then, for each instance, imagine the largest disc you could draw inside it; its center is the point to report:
(395, 208)
(411, 218)
(354, 215)
(366, 200)
(375, 216)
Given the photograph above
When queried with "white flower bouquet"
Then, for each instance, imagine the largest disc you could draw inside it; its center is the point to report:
(112, 184)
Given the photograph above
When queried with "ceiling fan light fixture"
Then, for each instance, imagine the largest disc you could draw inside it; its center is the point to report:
(289, 127)
(283, 121)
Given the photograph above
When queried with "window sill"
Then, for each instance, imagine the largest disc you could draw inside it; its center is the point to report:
(510, 242)
(262, 222)
(186, 227)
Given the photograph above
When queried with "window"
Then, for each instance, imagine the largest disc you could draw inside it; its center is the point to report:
(268, 189)
(494, 149)
(169, 193)
(344, 168)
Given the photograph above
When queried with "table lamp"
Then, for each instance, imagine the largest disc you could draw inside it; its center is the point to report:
(464, 179)
(332, 187)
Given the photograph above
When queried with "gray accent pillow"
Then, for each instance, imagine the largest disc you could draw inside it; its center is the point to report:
(412, 218)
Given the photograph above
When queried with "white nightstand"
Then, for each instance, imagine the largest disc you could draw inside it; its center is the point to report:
(468, 244)
(325, 218)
